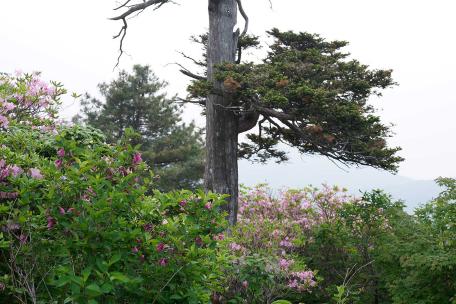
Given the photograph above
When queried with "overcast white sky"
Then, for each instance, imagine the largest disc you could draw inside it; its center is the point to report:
(70, 41)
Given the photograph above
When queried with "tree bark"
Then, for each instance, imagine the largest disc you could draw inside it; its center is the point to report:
(221, 171)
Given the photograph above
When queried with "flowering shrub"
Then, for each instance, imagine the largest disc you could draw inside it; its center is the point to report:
(27, 99)
(270, 233)
(77, 226)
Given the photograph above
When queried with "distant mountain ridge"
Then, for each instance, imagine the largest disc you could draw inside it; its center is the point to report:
(303, 171)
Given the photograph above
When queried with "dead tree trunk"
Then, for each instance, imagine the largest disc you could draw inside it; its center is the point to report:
(221, 172)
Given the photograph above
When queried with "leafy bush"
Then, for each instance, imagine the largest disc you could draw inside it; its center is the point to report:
(427, 257)
(76, 225)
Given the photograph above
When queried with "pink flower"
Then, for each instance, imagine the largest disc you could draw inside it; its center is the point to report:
(219, 237)
(61, 211)
(8, 106)
(286, 243)
(293, 283)
(245, 284)
(160, 247)
(148, 227)
(4, 122)
(51, 222)
(61, 152)
(208, 205)
(183, 203)
(163, 262)
(142, 258)
(284, 264)
(36, 173)
(23, 239)
(235, 247)
(58, 163)
(135, 249)
(198, 241)
(15, 170)
(137, 158)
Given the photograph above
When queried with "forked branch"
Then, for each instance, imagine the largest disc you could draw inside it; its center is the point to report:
(132, 9)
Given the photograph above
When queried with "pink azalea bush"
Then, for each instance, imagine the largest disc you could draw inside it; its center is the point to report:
(271, 232)
(76, 223)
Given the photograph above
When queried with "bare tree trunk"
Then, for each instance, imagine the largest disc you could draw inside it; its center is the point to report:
(221, 172)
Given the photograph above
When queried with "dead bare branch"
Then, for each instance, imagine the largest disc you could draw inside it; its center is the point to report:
(134, 8)
(122, 5)
(187, 72)
(138, 7)
(197, 62)
(244, 15)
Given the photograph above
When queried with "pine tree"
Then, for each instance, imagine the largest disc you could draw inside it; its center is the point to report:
(306, 94)
(173, 149)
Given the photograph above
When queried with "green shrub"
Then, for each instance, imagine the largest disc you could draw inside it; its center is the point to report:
(77, 226)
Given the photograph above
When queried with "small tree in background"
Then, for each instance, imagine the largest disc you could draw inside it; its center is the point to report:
(173, 149)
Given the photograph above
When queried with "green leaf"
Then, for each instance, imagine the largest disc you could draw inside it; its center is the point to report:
(93, 290)
(281, 302)
(114, 259)
(107, 287)
(102, 265)
(118, 276)
(86, 273)
(62, 281)
(77, 280)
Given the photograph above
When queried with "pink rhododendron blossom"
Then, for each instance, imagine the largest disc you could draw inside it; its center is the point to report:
(36, 173)
(160, 247)
(284, 264)
(148, 227)
(235, 247)
(163, 262)
(137, 158)
(199, 241)
(286, 243)
(4, 122)
(15, 170)
(293, 283)
(23, 239)
(219, 237)
(51, 222)
(58, 163)
(61, 152)
(8, 106)
(208, 205)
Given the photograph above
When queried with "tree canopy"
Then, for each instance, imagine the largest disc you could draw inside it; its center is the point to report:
(172, 148)
(306, 93)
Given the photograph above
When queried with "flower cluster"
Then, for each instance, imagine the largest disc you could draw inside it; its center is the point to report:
(302, 280)
(27, 99)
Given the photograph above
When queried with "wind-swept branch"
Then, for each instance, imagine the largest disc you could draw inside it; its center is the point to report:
(131, 9)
